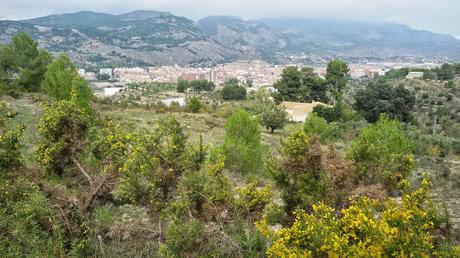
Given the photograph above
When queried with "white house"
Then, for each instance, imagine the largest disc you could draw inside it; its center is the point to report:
(414, 75)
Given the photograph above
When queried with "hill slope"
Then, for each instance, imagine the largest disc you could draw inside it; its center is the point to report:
(158, 38)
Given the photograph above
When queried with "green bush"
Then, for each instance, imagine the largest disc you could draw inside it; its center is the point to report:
(383, 153)
(315, 125)
(242, 146)
(10, 141)
(28, 225)
(193, 105)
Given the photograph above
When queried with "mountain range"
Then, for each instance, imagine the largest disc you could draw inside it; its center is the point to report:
(142, 38)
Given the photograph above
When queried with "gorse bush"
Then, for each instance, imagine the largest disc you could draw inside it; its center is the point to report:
(306, 174)
(63, 129)
(366, 228)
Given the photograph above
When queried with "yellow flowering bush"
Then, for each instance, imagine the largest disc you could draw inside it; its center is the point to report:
(366, 228)
(63, 128)
(253, 199)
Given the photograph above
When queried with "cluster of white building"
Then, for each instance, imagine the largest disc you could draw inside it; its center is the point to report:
(257, 73)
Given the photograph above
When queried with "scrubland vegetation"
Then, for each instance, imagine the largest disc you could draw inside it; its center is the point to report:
(227, 175)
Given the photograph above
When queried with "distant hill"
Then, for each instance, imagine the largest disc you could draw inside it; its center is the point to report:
(136, 38)
(362, 39)
(158, 38)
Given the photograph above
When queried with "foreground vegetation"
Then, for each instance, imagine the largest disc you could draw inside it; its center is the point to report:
(226, 175)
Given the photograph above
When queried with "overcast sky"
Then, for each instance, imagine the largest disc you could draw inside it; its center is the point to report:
(435, 15)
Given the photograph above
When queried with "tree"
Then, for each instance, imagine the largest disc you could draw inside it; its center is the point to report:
(23, 64)
(380, 97)
(242, 145)
(62, 80)
(202, 85)
(335, 76)
(341, 112)
(273, 116)
(317, 86)
(233, 91)
(182, 86)
(300, 85)
(103, 77)
(445, 72)
(397, 73)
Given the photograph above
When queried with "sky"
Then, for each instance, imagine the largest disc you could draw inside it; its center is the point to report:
(441, 16)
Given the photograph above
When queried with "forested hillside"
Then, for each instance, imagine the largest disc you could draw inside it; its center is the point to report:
(374, 173)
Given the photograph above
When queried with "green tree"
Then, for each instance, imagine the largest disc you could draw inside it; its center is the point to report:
(233, 91)
(335, 76)
(62, 80)
(300, 85)
(445, 72)
(202, 85)
(316, 86)
(397, 73)
(242, 145)
(380, 97)
(289, 87)
(273, 116)
(182, 86)
(23, 64)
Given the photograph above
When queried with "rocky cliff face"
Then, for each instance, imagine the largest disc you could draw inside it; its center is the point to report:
(159, 38)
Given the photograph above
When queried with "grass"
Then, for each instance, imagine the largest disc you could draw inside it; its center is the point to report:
(209, 126)
(28, 113)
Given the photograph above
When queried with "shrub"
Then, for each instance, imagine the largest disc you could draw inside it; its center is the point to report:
(29, 227)
(315, 125)
(242, 145)
(10, 141)
(63, 128)
(366, 228)
(383, 153)
(193, 105)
